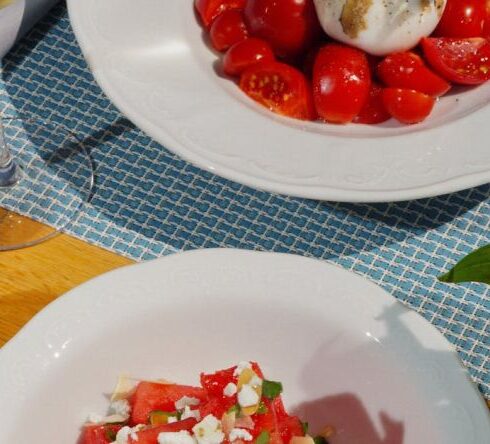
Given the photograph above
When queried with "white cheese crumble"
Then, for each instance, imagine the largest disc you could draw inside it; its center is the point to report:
(127, 432)
(240, 434)
(188, 413)
(230, 389)
(240, 367)
(182, 437)
(120, 407)
(184, 401)
(247, 396)
(209, 431)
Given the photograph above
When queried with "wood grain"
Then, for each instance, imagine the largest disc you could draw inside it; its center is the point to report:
(33, 277)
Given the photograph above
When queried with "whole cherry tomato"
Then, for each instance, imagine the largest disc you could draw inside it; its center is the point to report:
(374, 110)
(279, 87)
(341, 82)
(245, 54)
(289, 26)
(462, 19)
(407, 70)
(406, 105)
(464, 61)
(210, 9)
(227, 29)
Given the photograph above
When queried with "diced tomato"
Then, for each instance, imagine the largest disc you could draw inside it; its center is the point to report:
(341, 82)
(280, 88)
(98, 434)
(150, 436)
(285, 426)
(374, 110)
(210, 9)
(407, 106)
(289, 26)
(464, 61)
(462, 19)
(245, 54)
(214, 383)
(217, 406)
(407, 70)
(150, 396)
(227, 29)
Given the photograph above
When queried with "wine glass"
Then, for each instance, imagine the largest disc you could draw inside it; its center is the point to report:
(46, 173)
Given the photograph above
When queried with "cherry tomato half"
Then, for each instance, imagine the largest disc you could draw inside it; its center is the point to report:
(245, 54)
(406, 105)
(341, 82)
(464, 61)
(374, 110)
(210, 9)
(227, 29)
(289, 26)
(462, 19)
(279, 87)
(407, 70)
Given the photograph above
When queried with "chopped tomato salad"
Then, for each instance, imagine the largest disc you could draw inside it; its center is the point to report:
(338, 63)
(237, 405)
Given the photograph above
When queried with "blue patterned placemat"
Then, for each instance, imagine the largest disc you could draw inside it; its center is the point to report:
(148, 202)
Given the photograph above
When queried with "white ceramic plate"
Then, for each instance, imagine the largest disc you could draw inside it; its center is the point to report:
(347, 353)
(150, 58)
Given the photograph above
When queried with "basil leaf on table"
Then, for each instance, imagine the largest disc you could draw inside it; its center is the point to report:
(473, 268)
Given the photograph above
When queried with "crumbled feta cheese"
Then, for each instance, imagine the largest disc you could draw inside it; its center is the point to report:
(241, 366)
(255, 381)
(209, 431)
(126, 432)
(230, 389)
(247, 396)
(182, 437)
(172, 419)
(186, 400)
(188, 413)
(120, 407)
(240, 434)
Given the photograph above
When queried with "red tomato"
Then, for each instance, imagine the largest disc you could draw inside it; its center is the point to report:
(279, 87)
(290, 26)
(210, 9)
(150, 396)
(341, 82)
(98, 434)
(286, 426)
(407, 70)
(150, 436)
(227, 29)
(486, 26)
(406, 105)
(465, 61)
(462, 19)
(374, 110)
(245, 54)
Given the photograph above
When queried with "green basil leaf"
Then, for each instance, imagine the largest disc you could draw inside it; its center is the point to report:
(263, 438)
(234, 408)
(271, 389)
(473, 268)
(305, 427)
(262, 409)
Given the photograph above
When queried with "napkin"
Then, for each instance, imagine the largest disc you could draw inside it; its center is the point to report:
(17, 17)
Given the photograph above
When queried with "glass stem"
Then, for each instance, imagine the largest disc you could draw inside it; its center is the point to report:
(8, 167)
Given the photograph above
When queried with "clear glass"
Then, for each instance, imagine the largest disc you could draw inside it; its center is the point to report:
(45, 172)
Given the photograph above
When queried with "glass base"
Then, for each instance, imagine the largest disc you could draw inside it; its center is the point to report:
(54, 179)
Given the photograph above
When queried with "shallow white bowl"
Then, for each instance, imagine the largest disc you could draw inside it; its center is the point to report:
(347, 353)
(150, 58)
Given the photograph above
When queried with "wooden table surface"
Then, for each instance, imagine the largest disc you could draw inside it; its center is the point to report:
(33, 277)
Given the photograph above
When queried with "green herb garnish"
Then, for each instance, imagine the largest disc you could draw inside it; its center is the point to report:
(304, 426)
(473, 268)
(262, 408)
(271, 389)
(110, 434)
(263, 438)
(320, 440)
(234, 409)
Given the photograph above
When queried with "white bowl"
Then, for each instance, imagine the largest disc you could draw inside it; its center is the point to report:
(347, 353)
(150, 58)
